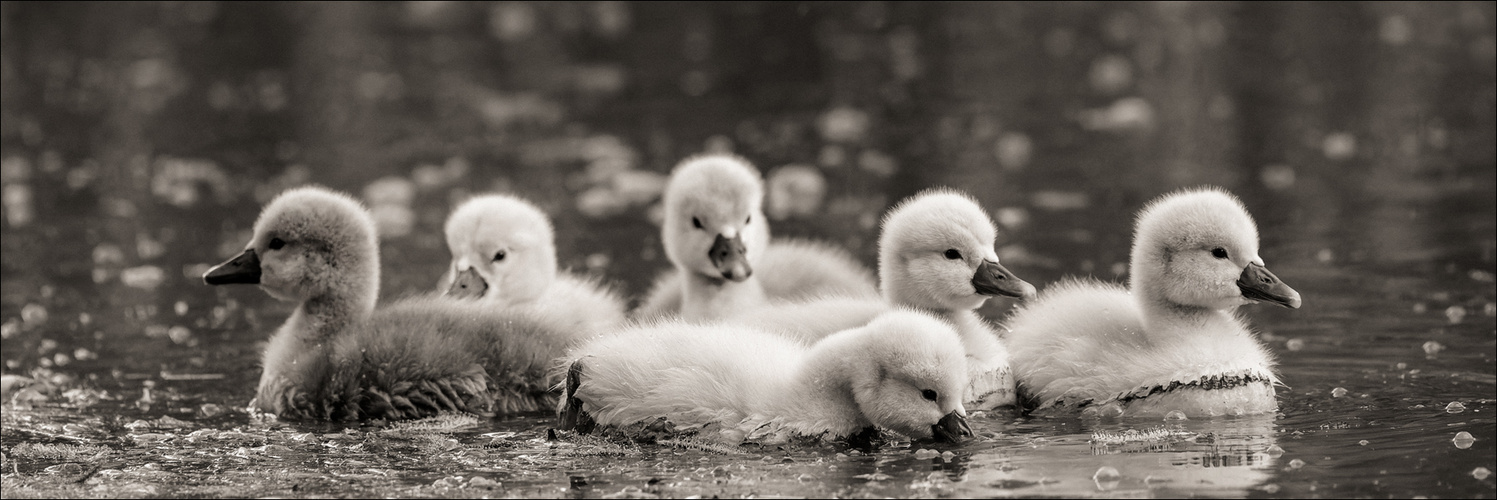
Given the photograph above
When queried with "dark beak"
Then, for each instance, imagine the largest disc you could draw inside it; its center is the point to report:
(243, 269)
(467, 285)
(952, 428)
(993, 279)
(1257, 283)
(729, 259)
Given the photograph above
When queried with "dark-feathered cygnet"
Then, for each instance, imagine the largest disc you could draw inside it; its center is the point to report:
(718, 239)
(904, 372)
(504, 255)
(1172, 340)
(935, 254)
(339, 358)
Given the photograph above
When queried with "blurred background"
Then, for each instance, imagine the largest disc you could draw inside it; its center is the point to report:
(141, 138)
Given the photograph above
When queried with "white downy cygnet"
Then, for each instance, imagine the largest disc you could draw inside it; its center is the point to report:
(902, 372)
(717, 237)
(1171, 341)
(504, 255)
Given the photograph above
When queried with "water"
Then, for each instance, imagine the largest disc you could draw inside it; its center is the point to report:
(140, 141)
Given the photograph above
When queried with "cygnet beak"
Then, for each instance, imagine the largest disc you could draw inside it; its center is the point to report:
(467, 285)
(952, 428)
(1257, 283)
(243, 269)
(993, 279)
(728, 257)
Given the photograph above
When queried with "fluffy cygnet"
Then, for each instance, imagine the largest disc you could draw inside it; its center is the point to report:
(1172, 340)
(903, 372)
(338, 358)
(504, 254)
(935, 254)
(718, 240)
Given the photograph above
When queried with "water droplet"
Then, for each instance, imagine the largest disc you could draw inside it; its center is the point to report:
(1106, 473)
(1296, 464)
(1338, 392)
(1481, 473)
(1455, 314)
(1455, 407)
(1274, 451)
(1463, 440)
(1294, 344)
(1362, 442)
(1176, 415)
(1433, 347)
(926, 454)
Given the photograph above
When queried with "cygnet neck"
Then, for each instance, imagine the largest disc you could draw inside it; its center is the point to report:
(1164, 319)
(350, 299)
(706, 297)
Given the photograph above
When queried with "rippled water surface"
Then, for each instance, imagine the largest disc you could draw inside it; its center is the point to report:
(141, 140)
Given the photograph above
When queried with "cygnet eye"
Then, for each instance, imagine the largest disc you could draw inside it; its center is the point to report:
(953, 254)
(276, 243)
(929, 395)
(696, 222)
(498, 256)
(1219, 252)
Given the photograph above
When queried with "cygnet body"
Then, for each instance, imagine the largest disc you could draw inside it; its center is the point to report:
(903, 372)
(716, 236)
(1172, 340)
(504, 255)
(935, 254)
(339, 358)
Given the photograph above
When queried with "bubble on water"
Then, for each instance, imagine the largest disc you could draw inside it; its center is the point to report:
(19, 209)
(1274, 451)
(843, 124)
(1277, 177)
(1395, 30)
(1106, 473)
(1455, 407)
(1455, 314)
(1363, 442)
(1014, 150)
(1111, 74)
(1339, 146)
(179, 334)
(1463, 440)
(1481, 473)
(1432, 347)
(1294, 344)
(143, 277)
(794, 190)
(923, 454)
(1338, 392)
(1296, 464)
(1176, 415)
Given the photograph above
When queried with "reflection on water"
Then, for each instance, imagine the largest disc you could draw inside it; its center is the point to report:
(139, 141)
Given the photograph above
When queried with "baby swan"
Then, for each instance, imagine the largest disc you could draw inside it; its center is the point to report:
(717, 238)
(935, 254)
(1172, 340)
(504, 254)
(902, 372)
(338, 358)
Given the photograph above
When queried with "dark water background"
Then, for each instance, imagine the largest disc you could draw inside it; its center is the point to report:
(140, 139)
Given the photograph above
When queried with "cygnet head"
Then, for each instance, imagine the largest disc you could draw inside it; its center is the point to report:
(309, 243)
(908, 373)
(503, 249)
(1199, 248)
(936, 252)
(713, 224)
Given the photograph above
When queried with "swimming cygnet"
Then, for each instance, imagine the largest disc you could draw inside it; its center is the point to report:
(1172, 340)
(504, 254)
(339, 358)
